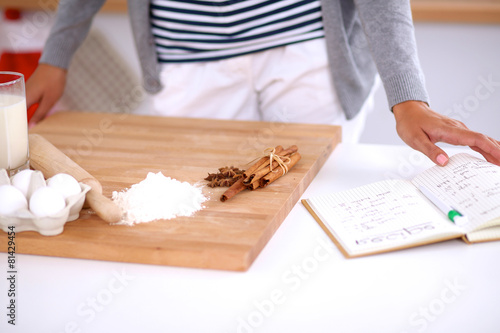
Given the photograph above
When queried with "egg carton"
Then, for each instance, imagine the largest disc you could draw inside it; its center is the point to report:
(25, 220)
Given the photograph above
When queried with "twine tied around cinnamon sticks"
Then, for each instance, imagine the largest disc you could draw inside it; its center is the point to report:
(276, 163)
(273, 156)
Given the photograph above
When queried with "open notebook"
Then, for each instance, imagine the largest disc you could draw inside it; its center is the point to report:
(394, 214)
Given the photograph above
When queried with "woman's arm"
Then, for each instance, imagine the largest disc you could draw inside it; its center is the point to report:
(46, 85)
(390, 35)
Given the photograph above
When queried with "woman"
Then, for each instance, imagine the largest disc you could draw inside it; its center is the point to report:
(316, 60)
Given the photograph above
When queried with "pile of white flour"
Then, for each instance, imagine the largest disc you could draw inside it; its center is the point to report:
(158, 197)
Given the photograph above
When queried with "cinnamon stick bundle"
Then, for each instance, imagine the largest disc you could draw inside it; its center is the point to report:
(261, 163)
(265, 171)
(236, 188)
(254, 173)
(272, 176)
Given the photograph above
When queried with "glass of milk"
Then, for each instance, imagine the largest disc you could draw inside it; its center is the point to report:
(14, 152)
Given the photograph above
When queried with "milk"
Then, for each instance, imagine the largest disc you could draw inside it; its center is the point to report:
(13, 132)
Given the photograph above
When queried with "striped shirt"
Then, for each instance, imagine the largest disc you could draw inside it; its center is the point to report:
(199, 30)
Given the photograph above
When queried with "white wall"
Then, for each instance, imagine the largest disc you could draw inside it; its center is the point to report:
(455, 59)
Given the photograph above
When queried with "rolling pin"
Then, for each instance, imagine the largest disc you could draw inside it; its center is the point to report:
(45, 157)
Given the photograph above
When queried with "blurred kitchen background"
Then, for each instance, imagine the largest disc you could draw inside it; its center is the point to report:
(458, 41)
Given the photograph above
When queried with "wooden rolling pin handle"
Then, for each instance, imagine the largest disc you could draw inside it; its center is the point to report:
(95, 186)
(44, 156)
(92, 182)
(104, 207)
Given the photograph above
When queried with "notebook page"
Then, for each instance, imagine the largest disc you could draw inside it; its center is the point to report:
(483, 235)
(469, 185)
(381, 216)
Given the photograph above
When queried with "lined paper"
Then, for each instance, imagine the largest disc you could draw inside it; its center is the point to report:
(394, 214)
(380, 216)
(468, 184)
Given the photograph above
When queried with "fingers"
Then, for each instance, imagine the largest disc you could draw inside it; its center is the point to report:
(489, 148)
(434, 153)
(421, 128)
(35, 106)
(42, 109)
(31, 97)
(421, 142)
(32, 103)
(486, 146)
(491, 156)
(411, 119)
(44, 87)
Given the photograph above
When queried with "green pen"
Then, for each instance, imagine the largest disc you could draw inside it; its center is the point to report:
(453, 214)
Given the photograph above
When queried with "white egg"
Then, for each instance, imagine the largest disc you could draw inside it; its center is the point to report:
(65, 184)
(21, 180)
(46, 201)
(11, 200)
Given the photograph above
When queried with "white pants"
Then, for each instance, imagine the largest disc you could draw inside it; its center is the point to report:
(286, 84)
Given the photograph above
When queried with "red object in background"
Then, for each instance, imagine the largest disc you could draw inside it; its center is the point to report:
(24, 63)
(12, 14)
(19, 62)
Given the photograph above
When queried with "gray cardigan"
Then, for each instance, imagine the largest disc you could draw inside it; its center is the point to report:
(362, 36)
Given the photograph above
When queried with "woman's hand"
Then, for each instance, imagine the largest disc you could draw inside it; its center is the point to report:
(45, 87)
(421, 128)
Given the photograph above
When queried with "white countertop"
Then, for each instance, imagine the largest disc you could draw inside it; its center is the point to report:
(299, 283)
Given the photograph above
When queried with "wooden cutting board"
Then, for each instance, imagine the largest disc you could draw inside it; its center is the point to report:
(120, 149)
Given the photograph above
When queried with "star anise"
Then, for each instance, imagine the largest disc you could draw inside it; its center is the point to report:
(226, 177)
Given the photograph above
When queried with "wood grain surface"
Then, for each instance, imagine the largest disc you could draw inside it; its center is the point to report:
(452, 11)
(51, 5)
(119, 150)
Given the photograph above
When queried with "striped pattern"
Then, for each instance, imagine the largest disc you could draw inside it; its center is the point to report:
(198, 30)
